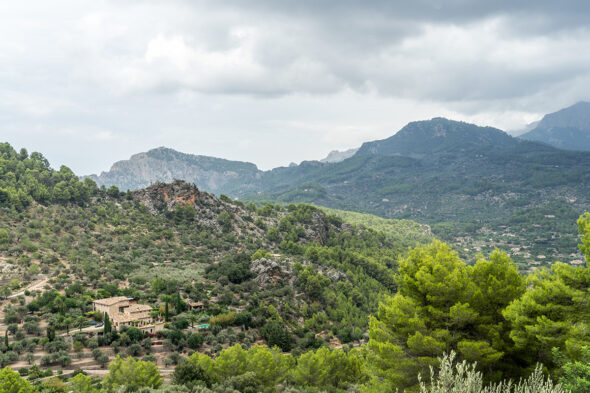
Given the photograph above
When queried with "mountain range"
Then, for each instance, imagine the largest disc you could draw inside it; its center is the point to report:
(466, 181)
(567, 129)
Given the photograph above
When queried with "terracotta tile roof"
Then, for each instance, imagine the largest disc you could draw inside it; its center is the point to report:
(123, 318)
(137, 308)
(109, 301)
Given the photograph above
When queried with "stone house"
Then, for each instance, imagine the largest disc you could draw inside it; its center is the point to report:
(124, 313)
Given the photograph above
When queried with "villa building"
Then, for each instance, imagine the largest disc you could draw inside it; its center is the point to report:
(123, 312)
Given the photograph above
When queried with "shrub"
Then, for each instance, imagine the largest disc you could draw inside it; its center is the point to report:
(463, 378)
(223, 320)
(275, 333)
(195, 341)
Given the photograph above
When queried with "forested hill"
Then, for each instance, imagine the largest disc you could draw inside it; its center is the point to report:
(439, 135)
(477, 187)
(262, 298)
(295, 276)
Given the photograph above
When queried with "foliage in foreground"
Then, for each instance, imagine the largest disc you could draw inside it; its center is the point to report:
(464, 378)
(443, 304)
(133, 374)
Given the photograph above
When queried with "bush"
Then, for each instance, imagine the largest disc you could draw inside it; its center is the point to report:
(463, 378)
(92, 343)
(275, 333)
(134, 350)
(195, 341)
(223, 320)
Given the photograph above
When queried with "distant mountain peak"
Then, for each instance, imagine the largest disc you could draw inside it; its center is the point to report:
(420, 138)
(337, 155)
(163, 164)
(577, 116)
(568, 128)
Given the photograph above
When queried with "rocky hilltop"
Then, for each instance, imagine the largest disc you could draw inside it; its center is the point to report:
(166, 165)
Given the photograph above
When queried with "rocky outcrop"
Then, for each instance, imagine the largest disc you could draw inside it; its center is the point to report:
(165, 198)
(166, 165)
(269, 271)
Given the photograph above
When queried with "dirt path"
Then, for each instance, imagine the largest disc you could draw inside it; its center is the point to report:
(34, 286)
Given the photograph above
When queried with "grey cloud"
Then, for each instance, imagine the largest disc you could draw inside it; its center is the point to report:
(127, 75)
(323, 47)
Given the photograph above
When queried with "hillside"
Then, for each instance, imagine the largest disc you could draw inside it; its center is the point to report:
(294, 277)
(221, 296)
(477, 187)
(165, 165)
(567, 128)
(405, 232)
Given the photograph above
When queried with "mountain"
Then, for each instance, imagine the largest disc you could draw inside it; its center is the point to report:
(165, 165)
(477, 187)
(423, 138)
(337, 156)
(568, 128)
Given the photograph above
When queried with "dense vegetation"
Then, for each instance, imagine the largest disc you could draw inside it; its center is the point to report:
(25, 179)
(291, 276)
(296, 300)
(474, 186)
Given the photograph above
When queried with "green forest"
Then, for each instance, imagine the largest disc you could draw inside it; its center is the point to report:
(268, 298)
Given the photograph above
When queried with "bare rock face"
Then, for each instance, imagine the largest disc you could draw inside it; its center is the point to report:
(319, 228)
(334, 275)
(165, 165)
(269, 271)
(166, 197)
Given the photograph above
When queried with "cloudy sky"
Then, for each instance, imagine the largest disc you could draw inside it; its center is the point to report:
(91, 82)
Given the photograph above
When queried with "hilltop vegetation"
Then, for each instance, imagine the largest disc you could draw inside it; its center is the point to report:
(24, 179)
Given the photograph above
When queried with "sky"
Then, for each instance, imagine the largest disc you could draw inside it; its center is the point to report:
(88, 83)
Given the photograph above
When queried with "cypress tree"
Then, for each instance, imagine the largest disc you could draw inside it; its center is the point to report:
(107, 324)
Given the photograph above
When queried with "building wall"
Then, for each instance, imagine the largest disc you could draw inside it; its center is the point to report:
(112, 309)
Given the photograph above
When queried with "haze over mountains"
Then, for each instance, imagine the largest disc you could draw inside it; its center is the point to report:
(337, 156)
(568, 128)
